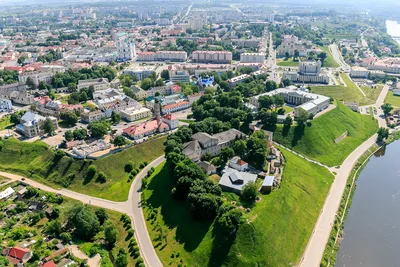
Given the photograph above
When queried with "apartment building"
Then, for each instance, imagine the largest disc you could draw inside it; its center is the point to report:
(134, 114)
(252, 57)
(212, 57)
(98, 84)
(31, 124)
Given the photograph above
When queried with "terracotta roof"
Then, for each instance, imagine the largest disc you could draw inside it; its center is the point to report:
(55, 254)
(49, 264)
(169, 117)
(18, 253)
(176, 105)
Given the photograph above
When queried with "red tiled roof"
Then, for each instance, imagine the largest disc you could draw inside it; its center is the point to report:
(42, 100)
(176, 105)
(18, 253)
(49, 264)
(57, 253)
(169, 117)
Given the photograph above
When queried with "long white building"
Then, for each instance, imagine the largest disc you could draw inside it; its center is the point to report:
(312, 103)
(212, 57)
(252, 57)
(163, 56)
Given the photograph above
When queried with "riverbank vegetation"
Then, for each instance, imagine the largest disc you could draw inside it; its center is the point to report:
(106, 179)
(317, 140)
(275, 232)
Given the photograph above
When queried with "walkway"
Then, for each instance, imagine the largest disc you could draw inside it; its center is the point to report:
(316, 245)
(131, 207)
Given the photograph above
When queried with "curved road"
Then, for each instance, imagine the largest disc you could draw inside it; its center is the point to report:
(131, 207)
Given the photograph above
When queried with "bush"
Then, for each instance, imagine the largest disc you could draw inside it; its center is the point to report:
(93, 250)
(92, 170)
(102, 177)
(129, 166)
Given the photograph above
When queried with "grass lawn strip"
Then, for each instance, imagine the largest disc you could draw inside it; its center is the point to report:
(276, 234)
(392, 99)
(317, 141)
(37, 161)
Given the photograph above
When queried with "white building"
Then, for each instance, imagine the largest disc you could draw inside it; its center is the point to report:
(170, 56)
(5, 105)
(308, 72)
(212, 57)
(98, 84)
(134, 114)
(88, 116)
(359, 72)
(141, 72)
(36, 76)
(171, 120)
(7, 193)
(238, 164)
(31, 124)
(126, 49)
(146, 56)
(252, 57)
(174, 107)
(312, 103)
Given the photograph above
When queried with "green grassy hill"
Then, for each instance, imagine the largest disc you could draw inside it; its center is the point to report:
(276, 234)
(37, 161)
(317, 141)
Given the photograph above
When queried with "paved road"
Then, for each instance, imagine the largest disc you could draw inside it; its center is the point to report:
(132, 207)
(337, 55)
(316, 245)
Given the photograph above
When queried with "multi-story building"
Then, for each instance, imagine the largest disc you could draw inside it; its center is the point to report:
(387, 65)
(312, 103)
(245, 43)
(197, 20)
(308, 72)
(88, 116)
(290, 44)
(5, 105)
(31, 124)
(98, 84)
(126, 49)
(138, 92)
(140, 72)
(36, 76)
(134, 114)
(204, 143)
(174, 107)
(252, 57)
(146, 56)
(17, 93)
(179, 76)
(212, 57)
(171, 120)
(170, 56)
(359, 72)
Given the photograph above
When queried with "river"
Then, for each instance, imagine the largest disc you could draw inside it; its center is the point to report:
(393, 29)
(372, 229)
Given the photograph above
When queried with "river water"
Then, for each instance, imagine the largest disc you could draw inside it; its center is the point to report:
(393, 29)
(372, 228)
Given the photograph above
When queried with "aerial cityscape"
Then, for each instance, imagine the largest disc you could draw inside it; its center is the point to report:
(206, 133)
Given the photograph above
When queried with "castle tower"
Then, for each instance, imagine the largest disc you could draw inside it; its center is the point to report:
(157, 110)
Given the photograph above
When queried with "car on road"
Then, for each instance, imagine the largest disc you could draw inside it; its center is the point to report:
(22, 179)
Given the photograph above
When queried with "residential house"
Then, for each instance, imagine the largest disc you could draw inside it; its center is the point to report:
(88, 116)
(238, 164)
(134, 114)
(31, 124)
(207, 167)
(233, 180)
(267, 184)
(17, 255)
(204, 143)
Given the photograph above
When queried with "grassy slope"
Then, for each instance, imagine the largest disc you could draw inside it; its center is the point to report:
(350, 93)
(329, 61)
(5, 123)
(317, 142)
(281, 223)
(37, 161)
(288, 63)
(392, 99)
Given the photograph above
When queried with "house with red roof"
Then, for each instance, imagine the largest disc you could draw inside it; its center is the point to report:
(17, 255)
(238, 164)
(145, 129)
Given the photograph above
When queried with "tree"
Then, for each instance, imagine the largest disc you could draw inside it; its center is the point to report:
(268, 117)
(165, 75)
(383, 133)
(119, 141)
(53, 228)
(278, 101)
(229, 218)
(265, 102)
(302, 116)
(42, 85)
(98, 129)
(146, 84)
(240, 147)
(29, 82)
(386, 108)
(287, 55)
(102, 177)
(68, 136)
(122, 258)
(15, 117)
(115, 117)
(69, 117)
(101, 214)
(80, 134)
(322, 56)
(48, 126)
(235, 123)
(249, 191)
(288, 121)
(296, 54)
(270, 85)
(110, 234)
(160, 82)
(71, 87)
(82, 218)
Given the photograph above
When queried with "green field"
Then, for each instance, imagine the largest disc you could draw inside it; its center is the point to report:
(351, 93)
(329, 61)
(287, 62)
(317, 141)
(372, 93)
(37, 161)
(276, 234)
(288, 109)
(5, 123)
(392, 99)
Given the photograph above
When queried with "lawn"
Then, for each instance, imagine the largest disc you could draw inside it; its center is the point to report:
(5, 123)
(372, 93)
(351, 93)
(288, 109)
(317, 141)
(3, 179)
(329, 61)
(392, 99)
(287, 62)
(276, 232)
(37, 161)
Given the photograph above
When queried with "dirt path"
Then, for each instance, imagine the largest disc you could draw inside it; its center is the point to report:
(92, 262)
